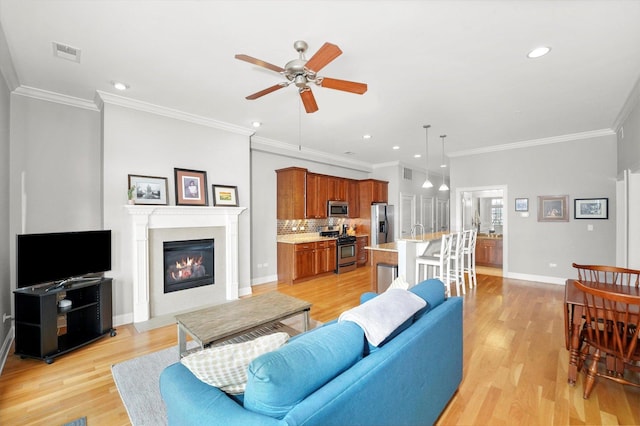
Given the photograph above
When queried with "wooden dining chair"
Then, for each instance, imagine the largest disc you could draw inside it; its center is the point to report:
(611, 329)
(608, 274)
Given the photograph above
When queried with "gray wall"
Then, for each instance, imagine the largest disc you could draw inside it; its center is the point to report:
(5, 238)
(580, 169)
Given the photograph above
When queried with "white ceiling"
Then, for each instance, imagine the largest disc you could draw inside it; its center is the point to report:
(459, 66)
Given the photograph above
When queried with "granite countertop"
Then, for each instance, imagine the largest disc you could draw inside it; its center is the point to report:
(309, 237)
(384, 247)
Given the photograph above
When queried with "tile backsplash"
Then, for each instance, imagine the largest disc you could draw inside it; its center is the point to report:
(302, 226)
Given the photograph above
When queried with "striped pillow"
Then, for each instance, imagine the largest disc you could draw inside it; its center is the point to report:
(225, 367)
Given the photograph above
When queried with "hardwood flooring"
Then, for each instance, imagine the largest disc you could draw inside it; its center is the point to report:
(515, 363)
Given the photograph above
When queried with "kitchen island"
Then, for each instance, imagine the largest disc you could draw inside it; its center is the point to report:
(381, 253)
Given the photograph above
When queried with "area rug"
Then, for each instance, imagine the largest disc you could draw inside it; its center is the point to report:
(137, 380)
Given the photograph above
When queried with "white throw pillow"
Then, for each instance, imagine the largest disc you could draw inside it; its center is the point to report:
(400, 283)
(225, 367)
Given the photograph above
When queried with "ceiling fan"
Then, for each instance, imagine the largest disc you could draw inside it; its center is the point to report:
(301, 72)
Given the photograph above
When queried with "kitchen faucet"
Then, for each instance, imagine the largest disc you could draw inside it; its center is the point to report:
(414, 228)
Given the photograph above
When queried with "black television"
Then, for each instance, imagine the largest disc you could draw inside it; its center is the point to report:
(61, 256)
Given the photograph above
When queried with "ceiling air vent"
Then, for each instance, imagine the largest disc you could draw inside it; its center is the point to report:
(407, 174)
(66, 52)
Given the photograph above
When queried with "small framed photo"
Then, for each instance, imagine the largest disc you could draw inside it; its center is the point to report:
(591, 208)
(522, 204)
(191, 187)
(225, 195)
(553, 208)
(148, 189)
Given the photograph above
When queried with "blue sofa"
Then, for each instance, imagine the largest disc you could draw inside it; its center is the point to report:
(409, 379)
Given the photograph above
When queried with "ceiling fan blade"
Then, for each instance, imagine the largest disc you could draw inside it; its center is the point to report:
(265, 91)
(259, 62)
(308, 100)
(344, 85)
(327, 53)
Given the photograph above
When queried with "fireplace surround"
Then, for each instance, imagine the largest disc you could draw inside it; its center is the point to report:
(144, 218)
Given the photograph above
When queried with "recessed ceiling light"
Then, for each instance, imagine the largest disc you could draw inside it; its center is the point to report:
(119, 85)
(256, 124)
(538, 52)
(396, 147)
(366, 137)
(417, 155)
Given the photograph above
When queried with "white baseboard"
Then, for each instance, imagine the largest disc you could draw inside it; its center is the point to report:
(264, 280)
(6, 345)
(538, 278)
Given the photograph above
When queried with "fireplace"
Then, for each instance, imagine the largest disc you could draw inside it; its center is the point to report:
(188, 264)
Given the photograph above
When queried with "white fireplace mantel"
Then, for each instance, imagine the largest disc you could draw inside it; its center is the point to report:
(144, 217)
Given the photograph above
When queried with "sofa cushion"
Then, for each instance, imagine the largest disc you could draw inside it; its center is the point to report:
(432, 291)
(380, 316)
(225, 367)
(279, 380)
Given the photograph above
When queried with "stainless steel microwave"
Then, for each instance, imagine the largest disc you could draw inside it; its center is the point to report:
(338, 209)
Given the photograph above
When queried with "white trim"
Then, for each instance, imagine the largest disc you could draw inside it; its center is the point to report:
(534, 142)
(537, 278)
(6, 345)
(45, 95)
(104, 97)
(272, 146)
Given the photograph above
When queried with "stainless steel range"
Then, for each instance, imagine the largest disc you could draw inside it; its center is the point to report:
(346, 249)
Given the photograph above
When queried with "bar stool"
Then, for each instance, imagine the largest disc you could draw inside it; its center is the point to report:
(469, 253)
(457, 262)
(440, 262)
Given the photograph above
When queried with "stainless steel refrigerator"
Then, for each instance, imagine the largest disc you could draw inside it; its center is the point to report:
(381, 224)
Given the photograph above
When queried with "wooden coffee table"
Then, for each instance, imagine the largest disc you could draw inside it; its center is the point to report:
(228, 320)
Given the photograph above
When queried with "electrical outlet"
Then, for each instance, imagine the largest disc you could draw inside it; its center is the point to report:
(294, 228)
(302, 228)
(259, 265)
(589, 227)
(265, 265)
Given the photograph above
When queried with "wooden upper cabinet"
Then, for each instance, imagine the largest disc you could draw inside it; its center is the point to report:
(372, 191)
(353, 197)
(336, 188)
(291, 190)
(317, 193)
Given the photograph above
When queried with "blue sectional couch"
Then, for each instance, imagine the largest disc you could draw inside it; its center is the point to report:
(331, 376)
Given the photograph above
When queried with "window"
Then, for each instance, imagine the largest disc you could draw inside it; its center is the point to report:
(496, 211)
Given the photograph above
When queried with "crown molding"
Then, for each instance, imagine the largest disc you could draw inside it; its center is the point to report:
(534, 142)
(45, 95)
(109, 98)
(300, 152)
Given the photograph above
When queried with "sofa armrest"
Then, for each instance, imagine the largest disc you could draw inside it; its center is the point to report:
(189, 401)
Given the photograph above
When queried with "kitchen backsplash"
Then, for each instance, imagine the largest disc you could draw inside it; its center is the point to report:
(302, 226)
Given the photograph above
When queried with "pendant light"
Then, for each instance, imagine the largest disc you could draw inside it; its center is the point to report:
(444, 186)
(427, 183)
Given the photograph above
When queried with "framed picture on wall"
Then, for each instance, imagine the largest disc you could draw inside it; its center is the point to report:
(191, 187)
(225, 195)
(522, 204)
(148, 189)
(591, 208)
(553, 208)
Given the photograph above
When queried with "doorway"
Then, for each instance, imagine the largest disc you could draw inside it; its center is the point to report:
(485, 209)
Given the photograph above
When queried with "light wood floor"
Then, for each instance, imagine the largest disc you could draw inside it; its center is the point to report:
(515, 363)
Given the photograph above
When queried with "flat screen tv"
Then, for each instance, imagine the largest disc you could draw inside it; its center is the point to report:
(54, 257)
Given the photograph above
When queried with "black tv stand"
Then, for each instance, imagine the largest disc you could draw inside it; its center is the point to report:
(44, 330)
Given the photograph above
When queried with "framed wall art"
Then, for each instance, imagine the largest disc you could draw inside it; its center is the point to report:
(522, 204)
(191, 187)
(225, 195)
(148, 189)
(553, 208)
(591, 208)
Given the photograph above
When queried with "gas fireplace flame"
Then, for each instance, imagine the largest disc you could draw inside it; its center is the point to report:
(185, 268)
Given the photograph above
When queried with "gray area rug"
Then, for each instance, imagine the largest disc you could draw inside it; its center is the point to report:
(137, 380)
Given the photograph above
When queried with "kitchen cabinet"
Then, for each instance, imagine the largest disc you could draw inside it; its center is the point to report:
(361, 253)
(353, 197)
(489, 252)
(336, 188)
(291, 190)
(317, 196)
(372, 191)
(297, 262)
(325, 257)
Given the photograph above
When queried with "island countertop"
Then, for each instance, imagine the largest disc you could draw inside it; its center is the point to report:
(392, 247)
